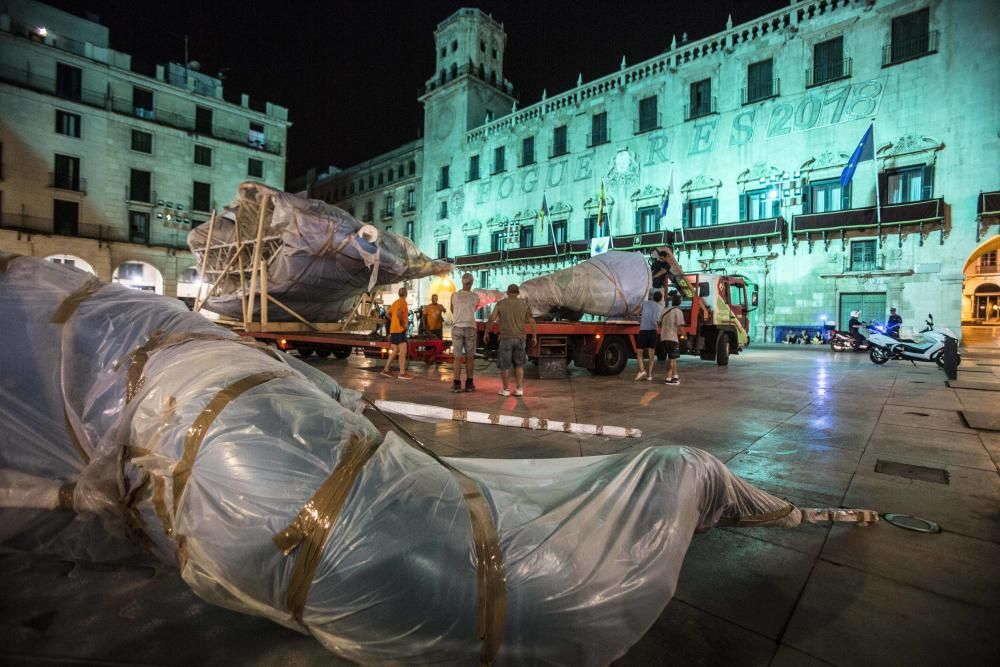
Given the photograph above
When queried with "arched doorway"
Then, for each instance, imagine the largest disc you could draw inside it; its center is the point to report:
(986, 303)
(74, 261)
(141, 276)
(188, 284)
(981, 295)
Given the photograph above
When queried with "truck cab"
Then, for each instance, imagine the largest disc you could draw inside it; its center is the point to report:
(716, 311)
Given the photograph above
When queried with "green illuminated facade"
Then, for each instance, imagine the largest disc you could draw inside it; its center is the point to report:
(741, 137)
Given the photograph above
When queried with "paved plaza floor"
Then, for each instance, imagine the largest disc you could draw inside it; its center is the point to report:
(800, 422)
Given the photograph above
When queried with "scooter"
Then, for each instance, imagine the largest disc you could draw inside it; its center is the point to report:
(841, 342)
(928, 345)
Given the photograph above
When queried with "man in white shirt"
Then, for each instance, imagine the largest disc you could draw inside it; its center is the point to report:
(463, 333)
(671, 322)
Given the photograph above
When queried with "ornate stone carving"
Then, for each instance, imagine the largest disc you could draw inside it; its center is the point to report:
(825, 160)
(497, 222)
(623, 170)
(442, 231)
(560, 208)
(701, 182)
(758, 171)
(456, 202)
(526, 215)
(648, 192)
(472, 226)
(591, 204)
(910, 143)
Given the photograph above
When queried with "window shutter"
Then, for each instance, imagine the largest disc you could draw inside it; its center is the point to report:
(807, 196)
(743, 207)
(845, 197)
(775, 208)
(927, 182)
(686, 215)
(715, 211)
(883, 180)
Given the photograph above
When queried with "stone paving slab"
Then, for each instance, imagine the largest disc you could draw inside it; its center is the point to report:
(932, 447)
(983, 421)
(850, 617)
(981, 385)
(929, 418)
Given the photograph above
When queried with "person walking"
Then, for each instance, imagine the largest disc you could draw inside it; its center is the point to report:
(399, 321)
(652, 309)
(670, 324)
(513, 315)
(433, 317)
(463, 333)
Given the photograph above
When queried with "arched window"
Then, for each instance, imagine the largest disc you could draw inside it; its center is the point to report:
(442, 77)
(454, 70)
(482, 71)
(493, 78)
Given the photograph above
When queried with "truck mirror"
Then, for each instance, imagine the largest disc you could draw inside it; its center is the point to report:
(753, 297)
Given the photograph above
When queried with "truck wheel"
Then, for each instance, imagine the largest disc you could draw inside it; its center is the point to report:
(613, 357)
(342, 351)
(304, 351)
(322, 353)
(722, 349)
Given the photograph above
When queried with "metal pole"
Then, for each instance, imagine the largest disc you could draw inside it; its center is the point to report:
(198, 302)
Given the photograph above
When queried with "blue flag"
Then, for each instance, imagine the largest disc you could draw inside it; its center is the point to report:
(864, 151)
(663, 206)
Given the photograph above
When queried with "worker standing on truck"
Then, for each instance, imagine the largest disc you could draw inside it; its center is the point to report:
(670, 324)
(659, 270)
(434, 317)
(514, 314)
(652, 310)
(399, 322)
(463, 333)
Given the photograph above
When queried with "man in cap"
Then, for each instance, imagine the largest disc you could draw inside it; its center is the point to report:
(894, 323)
(513, 315)
(463, 333)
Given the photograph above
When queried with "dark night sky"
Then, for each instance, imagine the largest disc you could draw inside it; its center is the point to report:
(349, 71)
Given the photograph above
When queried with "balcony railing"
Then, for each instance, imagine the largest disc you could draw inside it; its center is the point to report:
(988, 204)
(732, 231)
(987, 268)
(86, 230)
(409, 208)
(705, 108)
(910, 213)
(388, 212)
(67, 182)
(598, 138)
(821, 73)
(647, 123)
(41, 84)
(759, 93)
(581, 247)
(908, 49)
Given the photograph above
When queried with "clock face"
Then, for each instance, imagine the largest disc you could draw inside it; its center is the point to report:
(443, 123)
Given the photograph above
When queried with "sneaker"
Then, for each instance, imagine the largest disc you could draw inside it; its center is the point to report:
(649, 377)
(456, 387)
(672, 381)
(640, 375)
(504, 392)
(405, 376)
(519, 392)
(676, 378)
(387, 373)
(469, 386)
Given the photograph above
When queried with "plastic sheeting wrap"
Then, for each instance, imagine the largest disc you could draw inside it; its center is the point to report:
(259, 478)
(612, 284)
(319, 258)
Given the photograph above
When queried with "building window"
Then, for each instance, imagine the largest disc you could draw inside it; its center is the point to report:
(911, 37)
(760, 204)
(361, 185)
(142, 141)
(649, 119)
(590, 229)
(443, 178)
(760, 82)
(496, 241)
(140, 186)
(255, 137)
(559, 231)
(388, 174)
(472, 244)
(371, 181)
(201, 196)
(142, 102)
(474, 168)
(255, 168)
(909, 184)
(443, 209)
(69, 81)
(559, 141)
(828, 62)
(988, 262)
(138, 227)
(647, 219)
(203, 155)
(369, 210)
(408, 233)
(826, 196)
(412, 167)
(700, 212)
(499, 157)
(67, 123)
(411, 200)
(443, 249)
(65, 217)
(67, 173)
(203, 120)
(352, 187)
(598, 129)
(381, 178)
(526, 237)
(863, 255)
(701, 102)
(390, 206)
(527, 151)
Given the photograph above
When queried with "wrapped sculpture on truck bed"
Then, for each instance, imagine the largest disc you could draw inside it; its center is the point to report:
(259, 478)
(319, 258)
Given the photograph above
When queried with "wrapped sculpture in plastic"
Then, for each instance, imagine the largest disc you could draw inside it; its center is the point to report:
(612, 284)
(319, 258)
(260, 479)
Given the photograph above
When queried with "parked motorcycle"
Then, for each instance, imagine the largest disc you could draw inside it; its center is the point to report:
(841, 342)
(927, 345)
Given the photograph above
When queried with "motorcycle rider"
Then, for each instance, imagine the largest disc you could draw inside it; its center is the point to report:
(894, 323)
(853, 326)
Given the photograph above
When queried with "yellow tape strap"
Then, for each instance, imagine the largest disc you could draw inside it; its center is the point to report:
(311, 528)
(196, 433)
(66, 496)
(459, 415)
(567, 427)
(754, 519)
(158, 340)
(69, 305)
(5, 261)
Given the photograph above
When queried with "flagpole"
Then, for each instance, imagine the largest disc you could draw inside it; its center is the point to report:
(878, 201)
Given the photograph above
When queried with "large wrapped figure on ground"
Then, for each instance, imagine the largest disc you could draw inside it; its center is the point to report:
(259, 478)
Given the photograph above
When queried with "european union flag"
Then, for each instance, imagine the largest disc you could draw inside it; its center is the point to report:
(864, 151)
(663, 206)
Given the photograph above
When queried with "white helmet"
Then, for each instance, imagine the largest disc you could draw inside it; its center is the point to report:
(855, 313)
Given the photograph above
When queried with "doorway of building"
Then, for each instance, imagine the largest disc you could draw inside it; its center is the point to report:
(871, 305)
(986, 303)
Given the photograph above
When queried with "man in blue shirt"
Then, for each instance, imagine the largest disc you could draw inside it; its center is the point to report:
(646, 343)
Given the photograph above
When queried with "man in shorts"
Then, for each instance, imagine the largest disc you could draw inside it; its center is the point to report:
(671, 322)
(463, 333)
(433, 315)
(513, 314)
(399, 322)
(652, 309)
